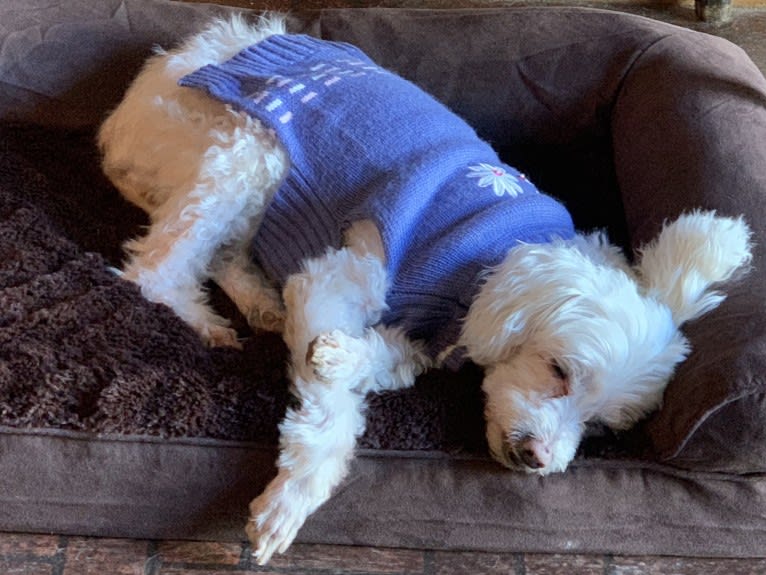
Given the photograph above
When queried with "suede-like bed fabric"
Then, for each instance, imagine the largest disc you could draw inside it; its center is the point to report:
(147, 487)
(680, 126)
(627, 120)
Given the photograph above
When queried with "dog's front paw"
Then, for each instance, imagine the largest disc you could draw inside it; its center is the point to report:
(273, 525)
(336, 357)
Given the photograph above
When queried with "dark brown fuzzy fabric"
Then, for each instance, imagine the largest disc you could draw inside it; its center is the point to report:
(81, 349)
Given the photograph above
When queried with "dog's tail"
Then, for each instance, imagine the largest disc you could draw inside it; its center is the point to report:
(224, 37)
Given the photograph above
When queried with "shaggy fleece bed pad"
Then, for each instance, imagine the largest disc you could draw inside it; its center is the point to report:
(80, 349)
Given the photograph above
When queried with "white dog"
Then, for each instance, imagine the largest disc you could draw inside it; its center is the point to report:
(565, 329)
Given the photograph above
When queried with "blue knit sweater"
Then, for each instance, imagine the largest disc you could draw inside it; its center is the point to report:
(366, 144)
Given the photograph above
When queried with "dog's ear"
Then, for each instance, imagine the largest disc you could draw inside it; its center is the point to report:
(691, 255)
(523, 298)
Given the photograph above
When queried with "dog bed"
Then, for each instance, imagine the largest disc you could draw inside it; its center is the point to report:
(116, 421)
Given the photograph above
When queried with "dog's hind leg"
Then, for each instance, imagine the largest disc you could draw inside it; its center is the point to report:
(170, 264)
(237, 176)
(343, 291)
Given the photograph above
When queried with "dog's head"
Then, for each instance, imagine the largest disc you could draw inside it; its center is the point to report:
(568, 333)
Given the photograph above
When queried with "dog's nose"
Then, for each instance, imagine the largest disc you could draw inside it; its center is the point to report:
(534, 453)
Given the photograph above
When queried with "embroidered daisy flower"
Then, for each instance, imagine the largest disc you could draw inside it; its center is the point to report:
(501, 181)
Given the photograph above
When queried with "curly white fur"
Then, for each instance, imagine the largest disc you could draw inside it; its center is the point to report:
(567, 333)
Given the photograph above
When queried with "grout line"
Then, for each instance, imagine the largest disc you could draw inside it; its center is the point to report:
(608, 564)
(521, 567)
(59, 559)
(153, 562)
(428, 561)
(246, 557)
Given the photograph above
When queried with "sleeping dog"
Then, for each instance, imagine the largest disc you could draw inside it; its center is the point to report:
(341, 205)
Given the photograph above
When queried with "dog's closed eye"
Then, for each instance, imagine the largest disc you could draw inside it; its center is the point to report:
(557, 370)
(562, 387)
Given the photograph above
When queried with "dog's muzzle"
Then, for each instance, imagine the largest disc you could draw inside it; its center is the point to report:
(529, 453)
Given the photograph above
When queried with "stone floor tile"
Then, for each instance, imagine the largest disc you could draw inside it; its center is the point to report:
(368, 560)
(539, 564)
(28, 544)
(685, 566)
(25, 568)
(200, 552)
(461, 563)
(105, 556)
(214, 571)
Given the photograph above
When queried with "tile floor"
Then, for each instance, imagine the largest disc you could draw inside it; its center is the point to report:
(23, 554)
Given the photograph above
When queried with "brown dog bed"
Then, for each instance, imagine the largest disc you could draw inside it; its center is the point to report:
(117, 421)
